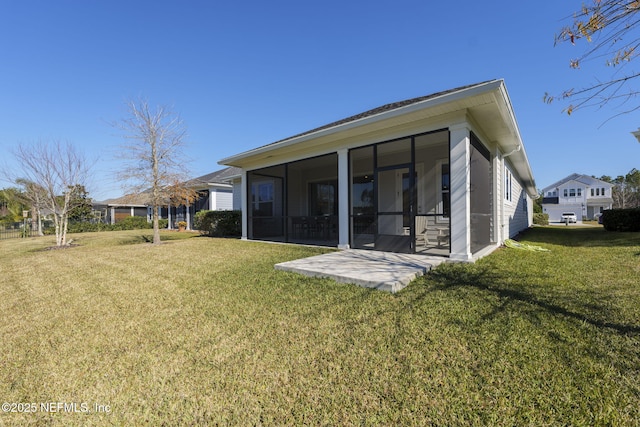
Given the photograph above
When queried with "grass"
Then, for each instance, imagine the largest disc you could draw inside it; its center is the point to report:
(204, 331)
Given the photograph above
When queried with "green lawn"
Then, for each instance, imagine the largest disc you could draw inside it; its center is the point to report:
(204, 331)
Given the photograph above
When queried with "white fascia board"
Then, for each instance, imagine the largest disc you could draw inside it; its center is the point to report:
(519, 159)
(427, 103)
(220, 185)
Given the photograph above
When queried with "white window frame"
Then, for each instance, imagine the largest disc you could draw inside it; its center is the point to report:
(508, 189)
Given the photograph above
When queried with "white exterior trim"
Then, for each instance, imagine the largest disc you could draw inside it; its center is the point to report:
(459, 139)
(484, 110)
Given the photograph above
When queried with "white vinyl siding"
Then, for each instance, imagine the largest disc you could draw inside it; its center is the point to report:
(237, 195)
(224, 200)
(518, 210)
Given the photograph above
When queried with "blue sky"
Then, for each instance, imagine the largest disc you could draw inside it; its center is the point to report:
(247, 73)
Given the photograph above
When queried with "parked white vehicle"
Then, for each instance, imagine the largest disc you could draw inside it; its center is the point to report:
(569, 216)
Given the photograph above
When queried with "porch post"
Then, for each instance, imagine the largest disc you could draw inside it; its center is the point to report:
(343, 199)
(460, 197)
(169, 226)
(113, 215)
(243, 204)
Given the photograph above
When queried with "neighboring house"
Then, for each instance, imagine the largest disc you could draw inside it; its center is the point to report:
(585, 195)
(442, 174)
(215, 192)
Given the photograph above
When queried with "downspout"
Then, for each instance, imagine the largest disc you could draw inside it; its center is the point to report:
(518, 148)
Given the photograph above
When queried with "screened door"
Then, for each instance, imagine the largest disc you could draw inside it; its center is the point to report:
(394, 210)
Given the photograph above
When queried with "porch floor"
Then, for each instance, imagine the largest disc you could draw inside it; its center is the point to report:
(370, 269)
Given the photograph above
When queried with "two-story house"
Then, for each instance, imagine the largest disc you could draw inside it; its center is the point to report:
(582, 194)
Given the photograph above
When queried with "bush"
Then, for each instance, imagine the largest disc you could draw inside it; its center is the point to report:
(541, 219)
(621, 219)
(128, 223)
(219, 223)
(134, 223)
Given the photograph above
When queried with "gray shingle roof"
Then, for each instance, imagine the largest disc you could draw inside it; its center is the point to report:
(585, 179)
(143, 199)
(382, 109)
(218, 177)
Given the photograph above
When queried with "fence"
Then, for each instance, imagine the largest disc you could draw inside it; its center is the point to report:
(17, 229)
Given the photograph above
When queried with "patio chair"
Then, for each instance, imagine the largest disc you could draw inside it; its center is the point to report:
(421, 231)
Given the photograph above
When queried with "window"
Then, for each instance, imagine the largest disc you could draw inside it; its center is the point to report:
(262, 198)
(579, 192)
(443, 208)
(597, 191)
(566, 193)
(593, 192)
(507, 184)
(572, 192)
(323, 198)
(444, 186)
(602, 192)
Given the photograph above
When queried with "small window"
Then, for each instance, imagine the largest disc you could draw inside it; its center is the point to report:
(579, 192)
(602, 191)
(572, 192)
(597, 191)
(592, 192)
(566, 193)
(507, 184)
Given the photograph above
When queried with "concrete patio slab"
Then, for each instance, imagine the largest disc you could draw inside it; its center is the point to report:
(370, 269)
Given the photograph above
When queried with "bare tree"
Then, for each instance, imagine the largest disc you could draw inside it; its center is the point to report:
(36, 195)
(611, 29)
(153, 155)
(49, 173)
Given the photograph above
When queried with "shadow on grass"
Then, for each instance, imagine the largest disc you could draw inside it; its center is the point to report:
(148, 238)
(488, 281)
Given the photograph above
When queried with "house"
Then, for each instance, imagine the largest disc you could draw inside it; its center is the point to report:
(215, 192)
(443, 174)
(585, 195)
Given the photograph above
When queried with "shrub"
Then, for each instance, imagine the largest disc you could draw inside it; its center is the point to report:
(541, 219)
(219, 223)
(134, 223)
(128, 223)
(621, 219)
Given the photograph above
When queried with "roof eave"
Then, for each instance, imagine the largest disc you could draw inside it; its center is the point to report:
(425, 104)
(521, 155)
